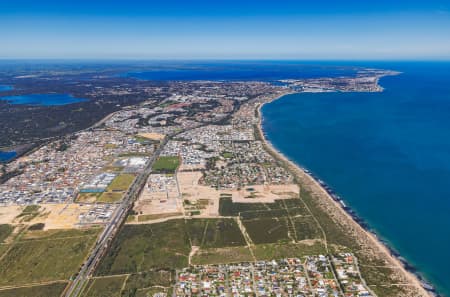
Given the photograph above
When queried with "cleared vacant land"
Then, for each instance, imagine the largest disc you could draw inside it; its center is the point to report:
(43, 256)
(166, 164)
(115, 191)
(49, 290)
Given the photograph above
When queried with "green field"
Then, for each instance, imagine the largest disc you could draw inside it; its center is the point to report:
(145, 247)
(104, 287)
(166, 245)
(132, 285)
(149, 217)
(60, 233)
(115, 191)
(5, 231)
(121, 183)
(228, 208)
(166, 164)
(286, 250)
(214, 233)
(306, 228)
(45, 256)
(87, 197)
(110, 197)
(148, 279)
(222, 255)
(51, 290)
(267, 230)
(227, 155)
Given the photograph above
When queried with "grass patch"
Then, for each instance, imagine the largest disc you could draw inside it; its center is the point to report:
(222, 255)
(287, 250)
(48, 259)
(227, 155)
(5, 231)
(3, 248)
(148, 279)
(214, 233)
(105, 287)
(388, 291)
(228, 208)
(87, 197)
(110, 197)
(146, 247)
(58, 233)
(131, 218)
(166, 164)
(115, 191)
(50, 290)
(267, 230)
(306, 228)
(149, 292)
(149, 217)
(121, 183)
(31, 208)
(110, 146)
(166, 245)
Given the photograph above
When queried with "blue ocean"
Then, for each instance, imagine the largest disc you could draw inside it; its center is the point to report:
(5, 88)
(242, 70)
(386, 154)
(43, 99)
(6, 156)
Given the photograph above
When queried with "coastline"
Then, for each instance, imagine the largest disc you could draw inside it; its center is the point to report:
(341, 213)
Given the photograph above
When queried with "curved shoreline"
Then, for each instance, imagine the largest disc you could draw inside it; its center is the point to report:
(338, 205)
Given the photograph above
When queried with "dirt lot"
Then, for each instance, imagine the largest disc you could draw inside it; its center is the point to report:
(54, 216)
(8, 213)
(152, 136)
(166, 199)
(192, 191)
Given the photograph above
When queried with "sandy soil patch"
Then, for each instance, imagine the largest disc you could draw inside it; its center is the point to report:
(152, 136)
(63, 216)
(157, 199)
(195, 193)
(54, 216)
(9, 213)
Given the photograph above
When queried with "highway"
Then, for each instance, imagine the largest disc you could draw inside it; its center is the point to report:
(111, 228)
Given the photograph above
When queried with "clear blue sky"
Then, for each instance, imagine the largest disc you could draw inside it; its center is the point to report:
(225, 29)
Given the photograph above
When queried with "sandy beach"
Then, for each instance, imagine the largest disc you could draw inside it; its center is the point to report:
(341, 216)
